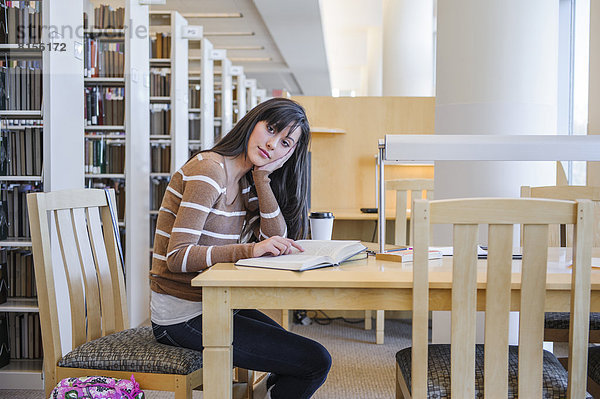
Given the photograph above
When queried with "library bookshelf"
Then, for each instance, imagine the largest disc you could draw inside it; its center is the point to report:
(39, 94)
(223, 93)
(251, 98)
(116, 132)
(238, 86)
(201, 94)
(169, 99)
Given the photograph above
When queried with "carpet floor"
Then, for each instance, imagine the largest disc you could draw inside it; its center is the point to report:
(360, 370)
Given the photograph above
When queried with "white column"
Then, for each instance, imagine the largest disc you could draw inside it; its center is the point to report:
(137, 162)
(374, 61)
(408, 47)
(497, 74)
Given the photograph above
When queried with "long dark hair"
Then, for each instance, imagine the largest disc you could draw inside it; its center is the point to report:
(290, 182)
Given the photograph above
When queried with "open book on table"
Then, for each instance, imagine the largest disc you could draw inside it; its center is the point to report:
(317, 253)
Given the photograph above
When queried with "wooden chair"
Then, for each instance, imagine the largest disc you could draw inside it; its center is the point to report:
(557, 323)
(496, 368)
(102, 342)
(402, 237)
(404, 188)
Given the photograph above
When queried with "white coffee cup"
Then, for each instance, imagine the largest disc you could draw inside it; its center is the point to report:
(321, 225)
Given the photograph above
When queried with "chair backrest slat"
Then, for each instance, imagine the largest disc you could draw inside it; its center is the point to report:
(501, 215)
(464, 306)
(580, 301)
(420, 336)
(497, 299)
(531, 317)
(44, 279)
(92, 295)
(116, 270)
(107, 291)
(71, 262)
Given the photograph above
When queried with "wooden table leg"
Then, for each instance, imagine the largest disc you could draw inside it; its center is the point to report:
(217, 337)
(379, 320)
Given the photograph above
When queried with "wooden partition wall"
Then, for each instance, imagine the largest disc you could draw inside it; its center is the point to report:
(345, 132)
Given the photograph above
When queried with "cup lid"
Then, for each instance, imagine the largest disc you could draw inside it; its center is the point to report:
(321, 215)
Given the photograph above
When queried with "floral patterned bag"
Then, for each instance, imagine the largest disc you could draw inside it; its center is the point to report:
(97, 387)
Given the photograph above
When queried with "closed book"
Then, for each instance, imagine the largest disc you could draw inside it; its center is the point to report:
(316, 254)
(3, 221)
(3, 278)
(4, 340)
(405, 255)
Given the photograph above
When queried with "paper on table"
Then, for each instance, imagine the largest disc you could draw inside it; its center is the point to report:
(595, 263)
(447, 251)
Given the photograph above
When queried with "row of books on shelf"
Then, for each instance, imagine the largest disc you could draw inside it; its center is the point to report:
(160, 119)
(20, 278)
(20, 22)
(104, 105)
(103, 59)
(104, 156)
(194, 122)
(160, 158)
(106, 17)
(20, 123)
(158, 187)
(160, 82)
(118, 185)
(21, 152)
(20, 85)
(217, 101)
(160, 45)
(194, 97)
(24, 335)
(13, 198)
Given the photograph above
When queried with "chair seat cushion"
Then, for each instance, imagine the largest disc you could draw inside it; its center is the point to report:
(134, 350)
(594, 363)
(438, 374)
(560, 320)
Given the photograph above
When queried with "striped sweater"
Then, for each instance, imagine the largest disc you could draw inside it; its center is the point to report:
(196, 228)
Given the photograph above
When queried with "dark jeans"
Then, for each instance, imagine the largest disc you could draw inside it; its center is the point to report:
(299, 366)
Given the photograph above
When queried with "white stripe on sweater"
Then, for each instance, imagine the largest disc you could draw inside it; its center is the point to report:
(219, 235)
(205, 179)
(270, 215)
(159, 257)
(205, 232)
(208, 257)
(211, 210)
(163, 233)
(171, 189)
(184, 263)
(187, 231)
(162, 208)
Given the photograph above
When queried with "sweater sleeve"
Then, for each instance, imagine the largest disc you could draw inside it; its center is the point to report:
(271, 221)
(201, 189)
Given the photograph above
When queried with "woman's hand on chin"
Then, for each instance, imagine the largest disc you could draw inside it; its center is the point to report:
(276, 164)
(275, 245)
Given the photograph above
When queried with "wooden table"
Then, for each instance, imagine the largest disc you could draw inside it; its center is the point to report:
(358, 285)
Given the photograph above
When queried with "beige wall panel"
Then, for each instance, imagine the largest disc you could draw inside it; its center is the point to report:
(343, 164)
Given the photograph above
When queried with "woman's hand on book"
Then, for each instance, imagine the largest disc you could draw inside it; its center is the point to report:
(275, 245)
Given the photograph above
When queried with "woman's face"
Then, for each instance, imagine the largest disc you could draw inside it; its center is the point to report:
(265, 145)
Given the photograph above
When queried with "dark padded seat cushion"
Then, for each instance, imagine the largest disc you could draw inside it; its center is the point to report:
(594, 363)
(438, 381)
(136, 350)
(560, 320)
